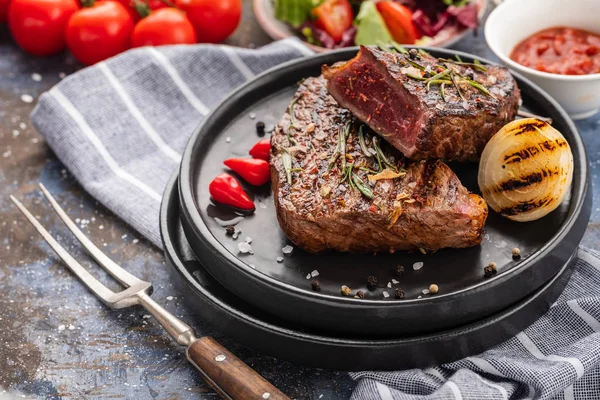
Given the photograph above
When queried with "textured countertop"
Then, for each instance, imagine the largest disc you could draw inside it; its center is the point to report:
(56, 340)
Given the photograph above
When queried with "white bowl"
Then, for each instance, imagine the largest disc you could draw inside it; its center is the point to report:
(515, 20)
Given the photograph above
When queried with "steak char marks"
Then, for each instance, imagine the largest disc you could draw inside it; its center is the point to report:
(388, 91)
(320, 208)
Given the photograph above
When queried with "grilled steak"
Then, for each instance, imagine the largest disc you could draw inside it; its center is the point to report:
(388, 91)
(328, 195)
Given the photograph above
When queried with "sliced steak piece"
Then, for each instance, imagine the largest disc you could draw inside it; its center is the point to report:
(425, 207)
(389, 92)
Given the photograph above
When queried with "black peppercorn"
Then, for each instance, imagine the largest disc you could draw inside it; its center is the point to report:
(230, 230)
(399, 270)
(260, 128)
(488, 271)
(360, 294)
(315, 284)
(371, 282)
(399, 293)
(413, 53)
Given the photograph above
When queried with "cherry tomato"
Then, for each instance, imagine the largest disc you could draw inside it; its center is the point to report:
(398, 19)
(334, 17)
(131, 8)
(156, 4)
(4, 10)
(213, 20)
(99, 32)
(163, 26)
(38, 26)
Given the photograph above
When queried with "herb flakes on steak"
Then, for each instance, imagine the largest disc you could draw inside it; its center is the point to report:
(333, 190)
(424, 106)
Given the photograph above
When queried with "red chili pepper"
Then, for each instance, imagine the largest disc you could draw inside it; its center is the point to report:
(254, 171)
(225, 189)
(261, 149)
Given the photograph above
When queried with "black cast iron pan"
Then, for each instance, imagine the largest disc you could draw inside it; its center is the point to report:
(281, 338)
(278, 283)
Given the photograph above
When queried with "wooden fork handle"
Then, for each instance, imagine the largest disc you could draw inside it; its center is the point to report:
(227, 374)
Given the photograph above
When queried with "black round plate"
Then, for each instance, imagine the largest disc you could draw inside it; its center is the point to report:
(287, 340)
(283, 287)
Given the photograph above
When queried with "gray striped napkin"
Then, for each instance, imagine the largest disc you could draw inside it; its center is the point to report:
(121, 126)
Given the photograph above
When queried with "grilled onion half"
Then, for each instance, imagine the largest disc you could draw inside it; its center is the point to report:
(526, 170)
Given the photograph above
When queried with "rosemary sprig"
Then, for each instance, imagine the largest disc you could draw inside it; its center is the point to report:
(381, 157)
(455, 83)
(292, 116)
(440, 75)
(458, 58)
(382, 46)
(362, 187)
(363, 145)
(437, 82)
(419, 78)
(425, 53)
(442, 91)
(369, 170)
(292, 121)
(286, 158)
(477, 65)
(479, 86)
(346, 174)
(342, 138)
(399, 48)
(415, 64)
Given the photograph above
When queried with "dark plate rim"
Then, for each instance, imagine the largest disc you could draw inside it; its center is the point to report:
(176, 263)
(192, 214)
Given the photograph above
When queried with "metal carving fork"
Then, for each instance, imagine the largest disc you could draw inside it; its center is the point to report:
(228, 375)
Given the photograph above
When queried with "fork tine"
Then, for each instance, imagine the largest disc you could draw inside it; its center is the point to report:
(92, 283)
(124, 277)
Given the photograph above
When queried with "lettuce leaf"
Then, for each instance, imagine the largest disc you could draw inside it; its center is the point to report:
(370, 27)
(294, 12)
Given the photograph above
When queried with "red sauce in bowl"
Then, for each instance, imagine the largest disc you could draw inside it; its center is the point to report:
(560, 50)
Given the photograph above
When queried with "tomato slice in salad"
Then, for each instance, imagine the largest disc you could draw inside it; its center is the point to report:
(398, 19)
(334, 17)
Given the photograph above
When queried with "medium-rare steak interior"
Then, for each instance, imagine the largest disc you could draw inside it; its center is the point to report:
(424, 106)
(337, 186)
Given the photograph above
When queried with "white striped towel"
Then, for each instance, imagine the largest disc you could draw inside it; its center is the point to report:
(121, 126)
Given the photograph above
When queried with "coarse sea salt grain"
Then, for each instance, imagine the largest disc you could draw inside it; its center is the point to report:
(395, 282)
(22, 125)
(61, 327)
(36, 77)
(389, 285)
(169, 298)
(279, 259)
(418, 265)
(314, 273)
(26, 98)
(248, 239)
(425, 291)
(245, 247)
(287, 249)
(386, 294)
(420, 297)
(228, 139)
(308, 276)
